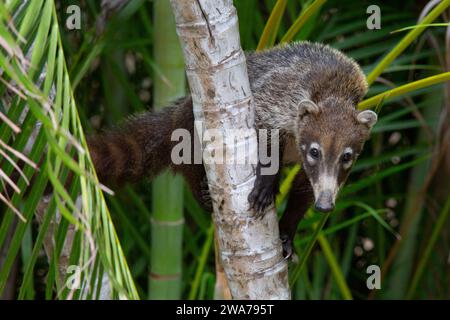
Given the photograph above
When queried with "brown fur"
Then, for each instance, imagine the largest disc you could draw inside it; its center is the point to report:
(280, 78)
(141, 148)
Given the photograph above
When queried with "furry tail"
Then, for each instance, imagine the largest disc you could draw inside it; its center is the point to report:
(141, 147)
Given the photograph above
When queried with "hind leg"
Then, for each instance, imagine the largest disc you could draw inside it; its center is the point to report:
(195, 176)
(300, 199)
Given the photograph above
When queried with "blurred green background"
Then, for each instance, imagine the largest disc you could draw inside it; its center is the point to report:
(392, 212)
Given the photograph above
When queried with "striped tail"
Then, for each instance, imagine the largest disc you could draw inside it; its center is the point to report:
(141, 147)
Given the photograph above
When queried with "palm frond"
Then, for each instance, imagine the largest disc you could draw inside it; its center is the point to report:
(51, 135)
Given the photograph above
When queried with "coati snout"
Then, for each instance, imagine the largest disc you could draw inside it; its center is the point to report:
(329, 144)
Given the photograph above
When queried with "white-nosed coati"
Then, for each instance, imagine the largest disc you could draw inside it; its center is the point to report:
(308, 91)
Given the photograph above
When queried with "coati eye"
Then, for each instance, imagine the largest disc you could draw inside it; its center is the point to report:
(314, 152)
(346, 157)
(312, 156)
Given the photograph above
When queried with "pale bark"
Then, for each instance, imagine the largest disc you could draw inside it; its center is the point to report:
(250, 249)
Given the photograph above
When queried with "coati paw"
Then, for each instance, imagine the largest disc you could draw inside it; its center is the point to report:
(260, 198)
(287, 246)
(205, 195)
(206, 201)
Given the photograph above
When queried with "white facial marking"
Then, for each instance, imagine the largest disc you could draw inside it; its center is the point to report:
(347, 165)
(315, 145)
(310, 159)
(326, 182)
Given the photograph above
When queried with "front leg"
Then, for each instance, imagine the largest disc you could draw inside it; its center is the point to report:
(263, 192)
(266, 185)
(300, 199)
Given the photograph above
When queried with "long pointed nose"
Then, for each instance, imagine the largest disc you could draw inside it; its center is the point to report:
(325, 201)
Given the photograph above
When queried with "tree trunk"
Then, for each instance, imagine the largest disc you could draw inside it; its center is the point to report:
(250, 249)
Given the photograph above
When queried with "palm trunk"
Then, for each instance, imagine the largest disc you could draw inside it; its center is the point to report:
(250, 249)
(167, 219)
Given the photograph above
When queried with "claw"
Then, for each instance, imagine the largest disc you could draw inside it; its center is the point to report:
(205, 195)
(260, 198)
(287, 247)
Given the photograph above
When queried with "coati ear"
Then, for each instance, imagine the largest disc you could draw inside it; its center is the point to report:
(367, 117)
(307, 106)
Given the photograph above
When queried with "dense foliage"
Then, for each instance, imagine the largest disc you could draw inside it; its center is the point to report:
(392, 213)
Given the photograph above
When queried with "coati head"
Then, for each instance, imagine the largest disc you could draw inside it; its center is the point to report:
(331, 136)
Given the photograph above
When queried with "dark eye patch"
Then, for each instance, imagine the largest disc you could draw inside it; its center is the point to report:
(314, 152)
(347, 156)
